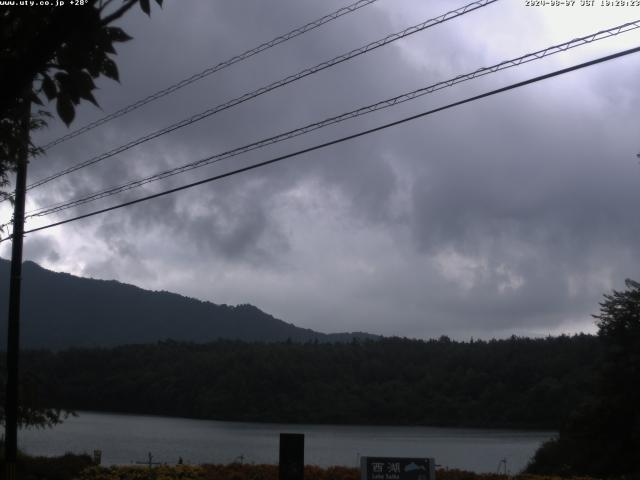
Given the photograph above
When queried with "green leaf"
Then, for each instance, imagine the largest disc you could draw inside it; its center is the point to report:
(64, 56)
(34, 99)
(89, 96)
(84, 81)
(79, 53)
(63, 78)
(95, 62)
(107, 46)
(49, 87)
(65, 109)
(116, 34)
(110, 69)
(103, 42)
(146, 8)
(67, 86)
(85, 85)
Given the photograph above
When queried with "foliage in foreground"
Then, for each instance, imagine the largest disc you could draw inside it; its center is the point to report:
(602, 437)
(81, 467)
(265, 472)
(49, 53)
(65, 467)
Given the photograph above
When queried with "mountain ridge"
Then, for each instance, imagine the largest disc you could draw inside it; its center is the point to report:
(60, 310)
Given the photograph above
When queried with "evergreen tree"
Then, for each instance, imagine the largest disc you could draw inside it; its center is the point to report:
(602, 437)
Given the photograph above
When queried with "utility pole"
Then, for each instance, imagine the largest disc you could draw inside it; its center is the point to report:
(13, 334)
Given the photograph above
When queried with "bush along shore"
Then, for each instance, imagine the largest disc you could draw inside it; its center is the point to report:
(82, 467)
(266, 472)
(65, 467)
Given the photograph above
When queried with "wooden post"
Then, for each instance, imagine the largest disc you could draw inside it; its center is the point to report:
(13, 329)
(291, 465)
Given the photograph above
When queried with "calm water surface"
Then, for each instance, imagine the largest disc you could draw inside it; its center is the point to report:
(126, 439)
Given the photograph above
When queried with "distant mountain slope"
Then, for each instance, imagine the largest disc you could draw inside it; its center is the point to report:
(60, 310)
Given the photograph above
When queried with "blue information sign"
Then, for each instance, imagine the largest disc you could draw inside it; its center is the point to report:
(397, 468)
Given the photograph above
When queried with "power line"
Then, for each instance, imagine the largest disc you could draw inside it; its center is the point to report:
(280, 83)
(211, 70)
(292, 78)
(339, 118)
(342, 139)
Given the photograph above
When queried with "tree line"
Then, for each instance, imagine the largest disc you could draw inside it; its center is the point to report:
(516, 382)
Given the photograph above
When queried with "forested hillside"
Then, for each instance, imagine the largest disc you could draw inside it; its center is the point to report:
(519, 382)
(62, 311)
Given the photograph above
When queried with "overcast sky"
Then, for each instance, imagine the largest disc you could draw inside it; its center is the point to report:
(509, 215)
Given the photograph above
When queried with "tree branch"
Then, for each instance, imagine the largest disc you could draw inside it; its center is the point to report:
(118, 13)
(104, 4)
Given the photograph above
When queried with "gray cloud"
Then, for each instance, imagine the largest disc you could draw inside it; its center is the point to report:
(509, 215)
(42, 250)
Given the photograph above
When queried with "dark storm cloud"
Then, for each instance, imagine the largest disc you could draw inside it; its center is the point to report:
(42, 250)
(510, 215)
(556, 212)
(231, 129)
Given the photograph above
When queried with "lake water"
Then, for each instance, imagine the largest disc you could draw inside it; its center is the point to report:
(126, 439)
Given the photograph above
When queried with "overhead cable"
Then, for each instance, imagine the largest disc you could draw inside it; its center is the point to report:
(280, 83)
(211, 70)
(563, 47)
(340, 140)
